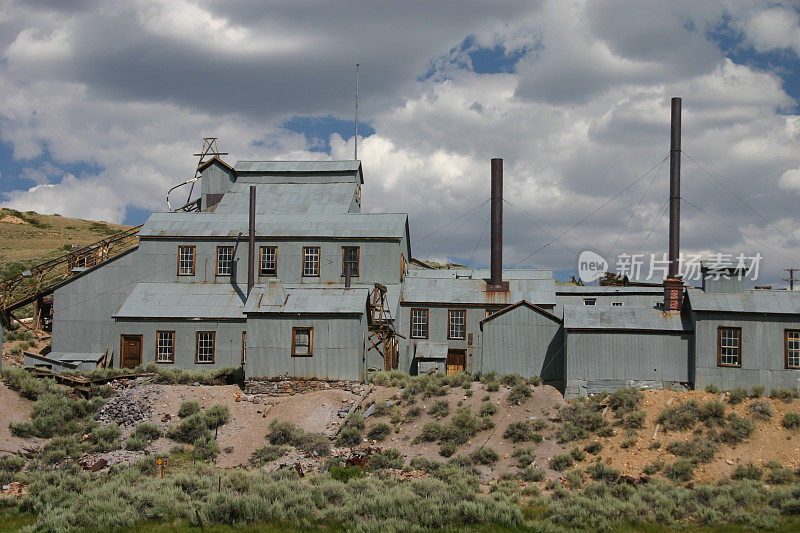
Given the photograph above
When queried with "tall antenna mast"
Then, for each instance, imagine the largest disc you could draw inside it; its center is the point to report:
(355, 150)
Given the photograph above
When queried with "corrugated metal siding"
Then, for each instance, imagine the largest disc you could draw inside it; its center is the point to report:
(345, 165)
(523, 342)
(473, 291)
(623, 318)
(228, 341)
(614, 356)
(338, 348)
(757, 301)
(762, 351)
(183, 300)
(289, 198)
(379, 261)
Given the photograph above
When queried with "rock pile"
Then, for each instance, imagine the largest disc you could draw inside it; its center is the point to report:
(129, 406)
(288, 387)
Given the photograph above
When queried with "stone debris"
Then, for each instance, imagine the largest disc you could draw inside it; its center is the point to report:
(288, 387)
(129, 406)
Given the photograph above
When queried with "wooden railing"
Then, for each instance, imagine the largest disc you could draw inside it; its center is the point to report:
(40, 280)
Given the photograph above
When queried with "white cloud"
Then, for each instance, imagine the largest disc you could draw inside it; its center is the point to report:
(132, 87)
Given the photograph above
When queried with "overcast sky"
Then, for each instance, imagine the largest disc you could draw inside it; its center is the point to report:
(103, 103)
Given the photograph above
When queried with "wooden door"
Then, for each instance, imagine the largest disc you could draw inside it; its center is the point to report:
(456, 361)
(130, 351)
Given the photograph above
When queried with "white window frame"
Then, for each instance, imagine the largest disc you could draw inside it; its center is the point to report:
(224, 260)
(206, 347)
(165, 349)
(457, 324)
(419, 323)
(264, 261)
(187, 257)
(311, 261)
(729, 346)
(590, 301)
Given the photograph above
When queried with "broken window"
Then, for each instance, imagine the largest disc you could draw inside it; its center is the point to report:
(311, 261)
(616, 304)
(792, 337)
(224, 260)
(165, 347)
(268, 265)
(302, 342)
(419, 323)
(186, 255)
(729, 344)
(589, 301)
(455, 321)
(350, 256)
(205, 346)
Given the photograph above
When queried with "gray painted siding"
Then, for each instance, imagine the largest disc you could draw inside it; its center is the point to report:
(379, 261)
(216, 180)
(762, 351)
(82, 309)
(227, 344)
(523, 342)
(724, 284)
(437, 332)
(605, 300)
(608, 359)
(338, 347)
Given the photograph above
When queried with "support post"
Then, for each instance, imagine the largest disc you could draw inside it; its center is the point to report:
(251, 244)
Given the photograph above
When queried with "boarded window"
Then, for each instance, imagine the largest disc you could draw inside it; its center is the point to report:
(311, 261)
(455, 321)
(165, 347)
(792, 348)
(268, 265)
(302, 342)
(729, 346)
(350, 257)
(205, 346)
(224, 260)
(419, 323)
(186, 256)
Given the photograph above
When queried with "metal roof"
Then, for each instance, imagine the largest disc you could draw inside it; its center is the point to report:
(182, 300)
(211, 225)
(757, 301)
(317, 300)
(348, 165)
(431, 350)
(451, 290)
(285, 198)
(523, 303)
(623, 318)
(479, 273)
(607, 289)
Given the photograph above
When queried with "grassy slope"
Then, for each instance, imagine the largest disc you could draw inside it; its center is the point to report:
(41, 237)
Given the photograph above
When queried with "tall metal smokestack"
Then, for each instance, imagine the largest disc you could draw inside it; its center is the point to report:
(496, 278)
(675, 188)
(673, 285)
(251, 244)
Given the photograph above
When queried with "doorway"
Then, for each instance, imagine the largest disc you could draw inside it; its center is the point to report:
(456, 361)
(130, 351)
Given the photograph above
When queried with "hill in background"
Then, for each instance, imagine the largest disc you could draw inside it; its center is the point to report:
(29, 238)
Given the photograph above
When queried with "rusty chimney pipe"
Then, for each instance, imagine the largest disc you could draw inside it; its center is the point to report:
(496, 277)
(251, 245)
(673, 285)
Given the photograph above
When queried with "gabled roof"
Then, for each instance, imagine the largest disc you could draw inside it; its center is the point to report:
(521, 303)
(183, 300)
(214, 159)
(623, 318)
(300, 167)
(758, 301)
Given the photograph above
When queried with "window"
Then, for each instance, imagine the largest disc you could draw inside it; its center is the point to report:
(205, 346)
(616, 304)
(268, 265)
(419, 323)
(490, 312)
(350, 257)
(186, 256)
(455, 319)
(792, 348)
(302, 342)
(311, 261)
(729, 346)
(589, 301)
(165, 346)
(224, 260)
